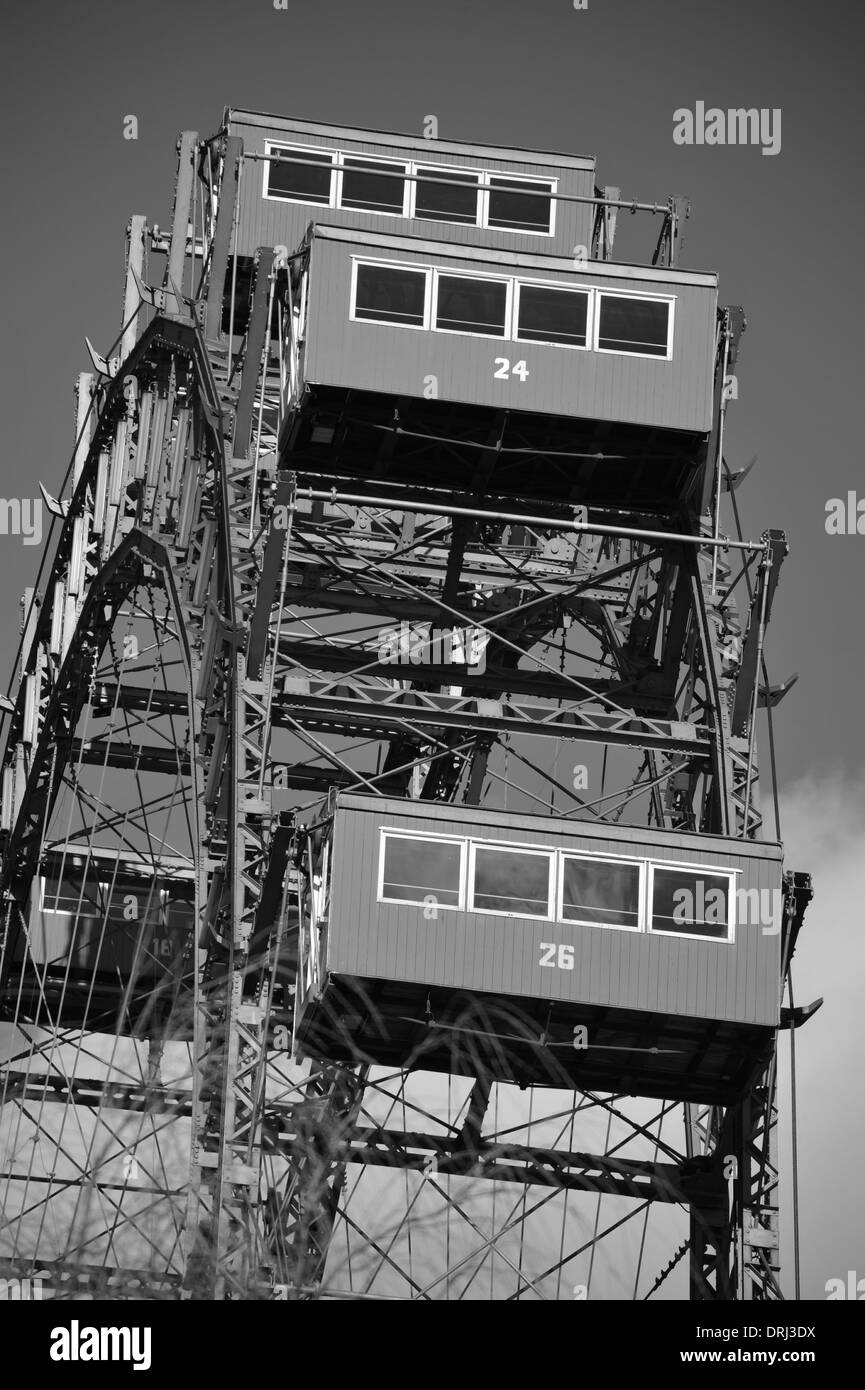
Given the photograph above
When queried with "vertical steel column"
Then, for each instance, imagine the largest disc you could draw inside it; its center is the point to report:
(186, 146)
(135, 259)
(222, 236)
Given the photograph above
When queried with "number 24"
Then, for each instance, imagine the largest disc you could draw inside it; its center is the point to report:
(505, 370)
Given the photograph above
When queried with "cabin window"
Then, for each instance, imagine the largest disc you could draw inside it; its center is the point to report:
(94, 898)
(366, 183)
(464, 305)
(690, 902)
(600, 892)
(519, 205)
(504, 307)
(446, 195)
(640, 326)
(304, 176)
(71, 899)
(511, 881)
(550, 315)
(416, 870)
(371, 185)
(390, 294)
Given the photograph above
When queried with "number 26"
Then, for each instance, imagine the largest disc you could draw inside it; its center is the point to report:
(553, 955)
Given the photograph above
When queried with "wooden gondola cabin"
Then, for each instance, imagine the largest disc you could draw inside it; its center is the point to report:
(457, 938)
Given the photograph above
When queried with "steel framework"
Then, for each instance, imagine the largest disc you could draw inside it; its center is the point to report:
(199, 666)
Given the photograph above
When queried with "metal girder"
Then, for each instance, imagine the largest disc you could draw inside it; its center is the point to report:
(221, 247)
(93, 1281)
(96, 1093)
(321, 656)
(186, 149)
(466, 1155)
(372, 709)
(110, 752)
(745, 701)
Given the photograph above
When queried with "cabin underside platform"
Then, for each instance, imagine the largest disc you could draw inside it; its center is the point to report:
(100, 1002)
(532, 1042)
(338, 433)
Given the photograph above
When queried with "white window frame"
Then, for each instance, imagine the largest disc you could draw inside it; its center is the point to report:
(513, 285)
(486, 187)
(411, 169)
(400, 834)
(668, 299)
(513, 848)
(587, 290)
(424, 270)
(718, 871)
(506, 280)
(342, 155)
(419, 169)
(92, 915)
(555, 884)
(271, 145)
(632, 860)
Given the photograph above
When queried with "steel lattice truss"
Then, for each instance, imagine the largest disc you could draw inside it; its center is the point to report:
(199, 668)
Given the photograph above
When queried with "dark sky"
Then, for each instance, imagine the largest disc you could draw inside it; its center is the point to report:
(785, 233)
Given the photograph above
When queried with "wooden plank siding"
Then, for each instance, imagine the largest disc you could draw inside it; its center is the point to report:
(561, 381)
(277, 222)
(734, 981)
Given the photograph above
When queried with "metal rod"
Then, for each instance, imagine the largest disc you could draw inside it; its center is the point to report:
(720, 457)
(180, 220)
(794, 1147)
(755, 695)
(229, 364)
(257, 455)
(550, 523)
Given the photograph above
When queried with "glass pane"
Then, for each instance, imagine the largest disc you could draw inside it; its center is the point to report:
(602, 893)
(389, 294)
(367, 183)
(633, 325)
(508, 881)
(471, 306)
(302, 174)
(75, 898)
(553, 316)
(689, 902)
(523, 206)
(417, 869)
(449, 196)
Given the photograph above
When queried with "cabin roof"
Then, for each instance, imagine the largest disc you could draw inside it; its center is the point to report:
(236, 115)
(555, 826)
(518, 261)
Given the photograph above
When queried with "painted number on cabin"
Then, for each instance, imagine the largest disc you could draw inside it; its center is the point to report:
(560, 957)
(504, 371)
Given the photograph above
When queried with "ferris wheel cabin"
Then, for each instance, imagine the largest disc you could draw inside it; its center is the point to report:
(615, 958)
(459, 302)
